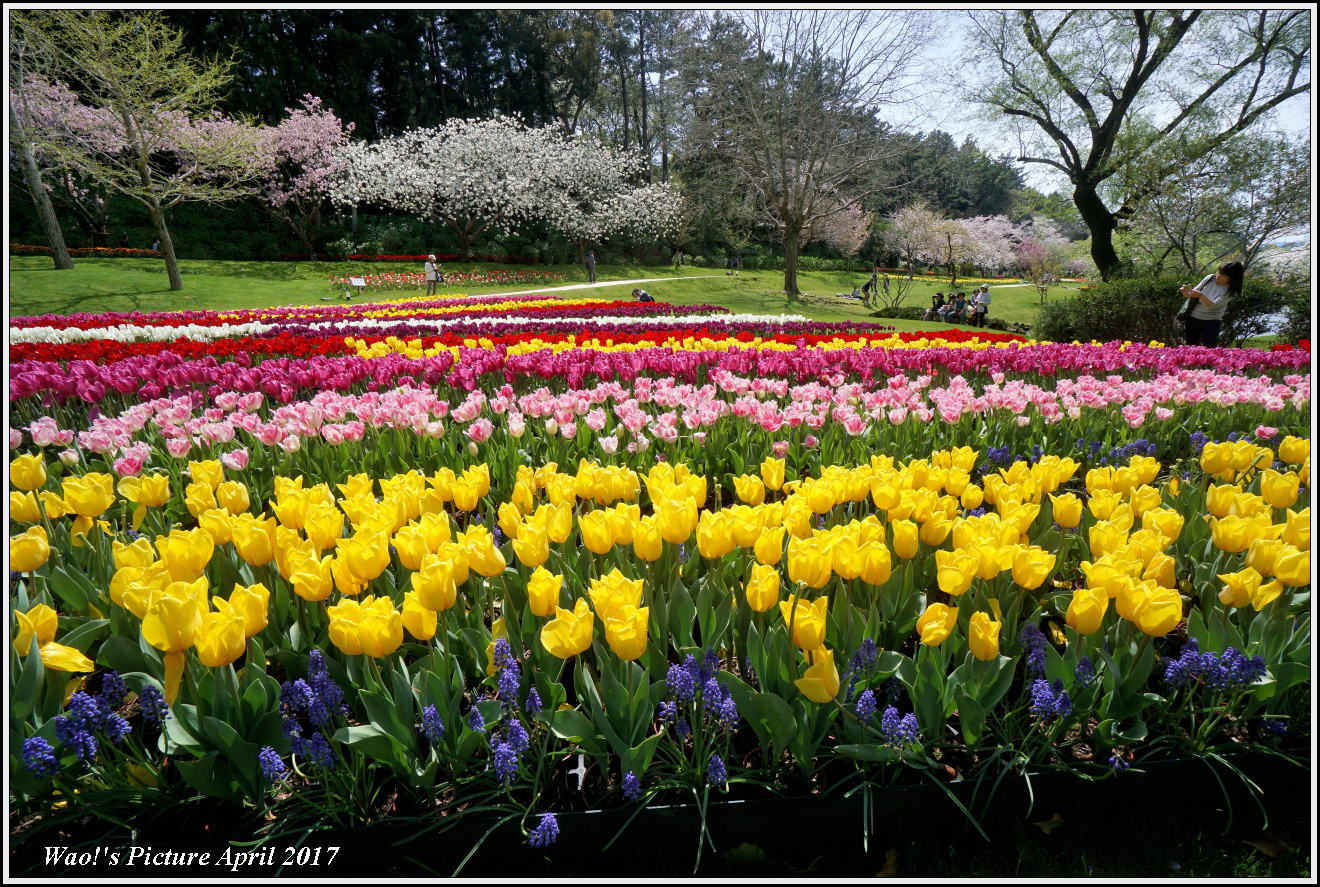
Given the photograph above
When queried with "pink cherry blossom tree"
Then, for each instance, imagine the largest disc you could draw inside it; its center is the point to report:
(306, 150)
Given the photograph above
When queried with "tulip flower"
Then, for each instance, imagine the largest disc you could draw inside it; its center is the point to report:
(28, 472)
(955, 570)
(983, 633)
(1162, 570)
(772, 473)
(88, 497)
(1239, 587)
(480, 552)
(750, 489)
(58, 657)
(905, 539)
(1297, 529)
(612, 592)
(312, 577)
(808, 620)
(543, 589)
(1157, 611)
(435, 583)
(1032, 566)
(324, 525)
(419, 620)
(769, 546)
(597, 535)
(936, 623)
(1294, 450)
(23, 508)
(412, 543)
(1067, 510)
(1280, 490)
(877, 565)
(626, 630)
(1293, 566)
(570, 632)
(29, 550)
(221, 638)
(646, 540)
(1234, 534)
(232, 496)
(820, 682)
(210, 472)
(1086, 612)
(1265, 594)
(251, 603)
(40, 622)
(762, 590)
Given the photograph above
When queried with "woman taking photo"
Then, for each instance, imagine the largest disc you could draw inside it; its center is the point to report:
(1211, 295)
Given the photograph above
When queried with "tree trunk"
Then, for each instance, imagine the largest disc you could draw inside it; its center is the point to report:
(791, 247)
(1100, 222)
(641, 53)
(582, 250)
(59, 251)
(166, 245)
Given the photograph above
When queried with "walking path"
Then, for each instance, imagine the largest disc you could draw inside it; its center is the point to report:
(596, 285)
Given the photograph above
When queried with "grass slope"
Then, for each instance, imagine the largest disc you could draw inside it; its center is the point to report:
(96, 285)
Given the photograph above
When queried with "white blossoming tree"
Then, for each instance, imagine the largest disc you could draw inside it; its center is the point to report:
(475, 175)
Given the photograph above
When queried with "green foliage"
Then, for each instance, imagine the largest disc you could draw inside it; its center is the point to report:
(907, 312)
(1142, 309)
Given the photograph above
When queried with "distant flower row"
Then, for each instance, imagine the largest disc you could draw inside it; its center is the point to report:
(94, 252)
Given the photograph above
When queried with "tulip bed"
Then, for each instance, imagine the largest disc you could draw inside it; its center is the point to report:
(332, 565)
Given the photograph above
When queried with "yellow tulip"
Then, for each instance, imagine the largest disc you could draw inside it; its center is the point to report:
(750, 489)
(58, 657)
(955, 570)
(1234, 534)
(1280, 490)
(714, 535)
(543, 588)
(983, 634)
(597, 535)
(877, 565)
(311, 576)
(1162, 570)
(324, 525)
(647, 543)
(1157, 612)
(1165, 521)
(435, 583)
(532, 545)
(625, 632)
(1239, 587)
(40, 622)
(419, 620)
(233, 496)
(412, 543)
(380, 630)
(762, 590)
(137, 554)
(971, 497)
(1067, 510)
(905, 539)
(23, 508)
(772, 473)
(29, 550)
(174, 617)
(28, 472)
(221, 639)
(612, 592)
(365, 554)
(251, 603)
(1297, 528)
(570, 632)
(1266, 593)
(1293, 566)
(936, 624)
(254, 538)
(210, 472)
(1086, 613)
(1294, 450)
(769, 546)
(1144, 498)
(479, 549)
(1032, 566)
(90, 495)
(808, 564)
(808, 620)
(935, 530)
(820, 682)
(1263, 554)
(1105, 537)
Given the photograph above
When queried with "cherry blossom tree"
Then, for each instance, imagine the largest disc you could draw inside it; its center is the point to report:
(168, 144)
(846, 229)
(994, 241)
(306, 151)
(1042, 255)
(475, 175)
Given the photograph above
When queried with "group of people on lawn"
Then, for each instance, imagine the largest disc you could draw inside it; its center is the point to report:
(957, 308)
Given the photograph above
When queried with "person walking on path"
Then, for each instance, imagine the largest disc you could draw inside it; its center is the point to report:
(1212, 296)
(591, 266)
(432, 274)
(869, 287)
(981, 304)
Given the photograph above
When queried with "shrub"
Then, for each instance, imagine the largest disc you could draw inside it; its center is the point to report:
(903, 312)
(1142, 309)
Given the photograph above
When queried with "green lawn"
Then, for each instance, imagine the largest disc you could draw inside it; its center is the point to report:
(96, 285)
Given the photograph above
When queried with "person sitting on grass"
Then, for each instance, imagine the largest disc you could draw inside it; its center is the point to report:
(642, 295)
(956, 309)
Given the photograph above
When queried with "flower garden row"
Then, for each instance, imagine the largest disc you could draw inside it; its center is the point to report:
(476, 539)
(403, 280)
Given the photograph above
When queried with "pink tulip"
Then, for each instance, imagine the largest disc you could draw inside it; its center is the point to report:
(235, 459)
